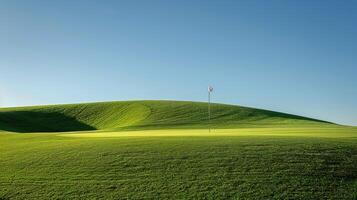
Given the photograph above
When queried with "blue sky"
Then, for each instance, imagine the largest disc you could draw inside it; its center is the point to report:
(291, 56)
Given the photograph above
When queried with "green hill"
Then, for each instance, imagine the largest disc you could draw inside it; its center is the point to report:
(292, 157)
(140, 115)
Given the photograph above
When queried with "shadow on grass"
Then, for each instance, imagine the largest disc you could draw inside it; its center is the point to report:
(37, 121)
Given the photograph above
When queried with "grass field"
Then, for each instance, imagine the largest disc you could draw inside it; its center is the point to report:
(160, 150)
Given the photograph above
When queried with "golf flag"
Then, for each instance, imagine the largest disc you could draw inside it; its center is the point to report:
(210, 89)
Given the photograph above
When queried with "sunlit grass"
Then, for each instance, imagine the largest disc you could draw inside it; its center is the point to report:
(257, 163)
(332, 132)
(163, 150)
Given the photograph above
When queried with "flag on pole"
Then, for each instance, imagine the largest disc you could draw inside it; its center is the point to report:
(210, 89)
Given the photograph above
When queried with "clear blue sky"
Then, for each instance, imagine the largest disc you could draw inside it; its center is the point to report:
(292, 56)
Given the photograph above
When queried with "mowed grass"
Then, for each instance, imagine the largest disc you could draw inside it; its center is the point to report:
(240, 163)
(143, 115)
(163, 150)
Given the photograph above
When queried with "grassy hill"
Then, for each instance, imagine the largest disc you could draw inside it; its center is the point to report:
(250, 153)
(141, 115)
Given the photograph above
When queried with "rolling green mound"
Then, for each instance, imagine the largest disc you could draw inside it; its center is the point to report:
(141, 115)
(250, 153)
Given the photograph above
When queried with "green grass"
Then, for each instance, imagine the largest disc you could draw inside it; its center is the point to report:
(134, 115)
(251, 153)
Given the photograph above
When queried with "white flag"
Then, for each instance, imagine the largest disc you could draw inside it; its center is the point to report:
(210, 89)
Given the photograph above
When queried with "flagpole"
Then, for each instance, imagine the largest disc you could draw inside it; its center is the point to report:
(210, 89)
(209, 110)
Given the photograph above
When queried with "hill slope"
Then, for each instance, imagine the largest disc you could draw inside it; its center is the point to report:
(133, 115)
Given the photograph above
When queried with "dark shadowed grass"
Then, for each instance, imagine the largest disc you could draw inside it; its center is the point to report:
(39, 121)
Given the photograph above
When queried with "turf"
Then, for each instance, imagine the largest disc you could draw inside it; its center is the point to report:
(134, 115)
(250, 153)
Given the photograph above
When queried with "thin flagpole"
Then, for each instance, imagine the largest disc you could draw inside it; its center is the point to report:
(210, 89)
(209, 110)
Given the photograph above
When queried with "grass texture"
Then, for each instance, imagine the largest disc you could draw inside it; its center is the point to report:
(136, 115)
(163, 150)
